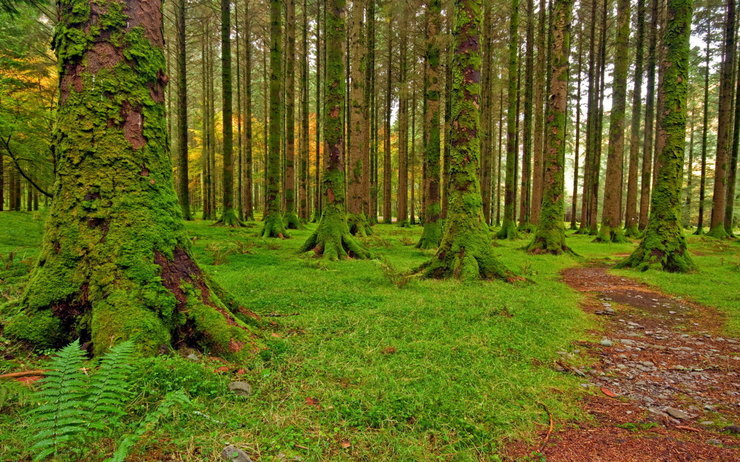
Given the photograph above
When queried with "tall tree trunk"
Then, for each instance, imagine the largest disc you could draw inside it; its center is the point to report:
(115, 252)
(357, 154)
(432, 234)
(630, 218)
(465, 251)
(704, 130)
(590, 122)
(647, 146)
(387, 211)
(577, 147)
(182, 113)
(229, 215)
(319, 103)
(370, 103)
(732, 172)
(508, 228)
(550, 234)
(664, 245)
(248, 190)
(598, 123)
(2, 182)
(497, 182)
(332, 238)
(303, 141)
(724, 126)
(539, 119)
(689, 174)
(486, 109)
(273, 221)
(611, 229)
(402, 203)
(290, 218)
(526, 180)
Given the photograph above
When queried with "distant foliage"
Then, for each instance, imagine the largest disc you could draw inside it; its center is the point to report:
(77, 405)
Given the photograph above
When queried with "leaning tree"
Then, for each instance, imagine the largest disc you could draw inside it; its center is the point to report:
(115, 261)
(465, 251)
(664, 245)
(332, 238)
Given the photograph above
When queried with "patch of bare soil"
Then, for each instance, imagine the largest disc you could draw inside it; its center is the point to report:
(666, 383)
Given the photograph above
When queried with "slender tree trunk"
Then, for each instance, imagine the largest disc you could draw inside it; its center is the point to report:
(631, 217)
(574, 202)
(704, 131)
(403, 123)
(550, 234)
(526, 180)
(319, 103)
(465, 251)
(590, 128)
(732, 172)
(508, 228)
(182, 113)
(357, 154)
(446, 150)
(412, 152)
(611, 229)
(387, 211)
(598, 123)
(370, 103)
(497, 183)
(2, 182)
(539, 120)
(332, 238)
(647, 146)
(486, 109)
(432, 234)
(724, 127)
(106, 290)
(664, 245)
(290, 218)
(303, 141)
(273, 221)
(248, 191)
(689, 174)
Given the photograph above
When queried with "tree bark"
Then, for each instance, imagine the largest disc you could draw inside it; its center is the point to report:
(290, 217)
(526, 179)
(182, 114)
(647, 146)
(664, 245)
(115, 262)
(387, 211)
(630, 218)
(539, 120)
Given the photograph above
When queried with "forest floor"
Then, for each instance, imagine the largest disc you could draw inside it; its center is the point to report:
(364, 364)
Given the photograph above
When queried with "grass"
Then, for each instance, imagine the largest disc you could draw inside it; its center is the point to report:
(363, 364)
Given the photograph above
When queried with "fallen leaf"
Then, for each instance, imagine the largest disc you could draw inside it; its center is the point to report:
(241, 372)
(388, 351)
(312, 401)
(608, 392)
(345, 444)
(222, 369)
(275, 334)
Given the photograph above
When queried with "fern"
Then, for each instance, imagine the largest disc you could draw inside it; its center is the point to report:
(58, 421)
(170, 400)
(110, 387)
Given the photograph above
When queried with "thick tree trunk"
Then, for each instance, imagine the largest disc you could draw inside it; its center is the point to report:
(630, 217)
(664, 245)
(724, 127)
(732, 172)
(550, 234)
(273, 220)
(115, 261)
(332, 238)
(611, 229)
(647, 146)
(465, 251)
(357, 155)
(508, 228)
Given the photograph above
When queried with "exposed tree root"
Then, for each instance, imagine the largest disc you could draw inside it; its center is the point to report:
(333, 240)
(274, 226)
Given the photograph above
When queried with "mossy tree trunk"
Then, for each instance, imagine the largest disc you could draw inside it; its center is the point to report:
(115, 262)
(550, 234)
(732, 168)
(273, 220)
(724, 126)
(332, 238)
(611, 229)
(630, 216)
(486, 109)
(508, 227)
(465, 251)
(648, 136)
(229, 216)
(358, 183)
(432, 208)
(182, 113)
(290, 218)
(664, 245)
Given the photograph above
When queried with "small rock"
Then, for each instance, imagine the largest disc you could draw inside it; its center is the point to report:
(606, 342)
(715, 442)
(234, 454)
(734, 429)
(193, 357)
(241, 388)
(671, 312)
(676, 413)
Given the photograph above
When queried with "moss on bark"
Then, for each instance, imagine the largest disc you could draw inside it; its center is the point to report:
(465, 251)
(664, 245)
(115, 262)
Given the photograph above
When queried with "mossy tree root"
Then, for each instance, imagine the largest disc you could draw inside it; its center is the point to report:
(508, 230)
(333, 241)
(229, 218)
(607, 235)
(631, 231)
(431, 236)
(359, 225)
(274, 226)
(718, 231)
(291, 221)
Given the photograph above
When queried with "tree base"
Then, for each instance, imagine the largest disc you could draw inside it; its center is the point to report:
(608, 235)
(178, 306)
(333, 240)
(291, 221)
(527, 228)
(230, 219)
(631, 231)
(359, 225)
(508, 231)
(718, 232)
(273, 226)
(550, 242)
(431, 236)
(404, 224)
(652, 253)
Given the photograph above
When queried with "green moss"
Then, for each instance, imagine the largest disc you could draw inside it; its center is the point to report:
(274, 226)
(42, 329)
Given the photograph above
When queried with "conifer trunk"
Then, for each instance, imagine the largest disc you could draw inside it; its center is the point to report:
(704, 131)
(115, 262)
(290, 217)
(526, 180)
(664, 246)
(630, 217)
(465, 251)
(303, 146)
(647, 146)
(332, 238)
(402, 199)
(539, 119)
(387, 211)
(182, 113)
(248, 190)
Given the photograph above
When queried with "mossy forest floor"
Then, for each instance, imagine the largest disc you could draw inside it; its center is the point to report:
(364, 364)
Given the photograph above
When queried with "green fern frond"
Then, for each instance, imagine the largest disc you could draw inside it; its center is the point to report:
(56, 422)
(110, 384)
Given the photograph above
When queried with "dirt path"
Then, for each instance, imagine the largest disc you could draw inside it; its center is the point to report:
(667, 385)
